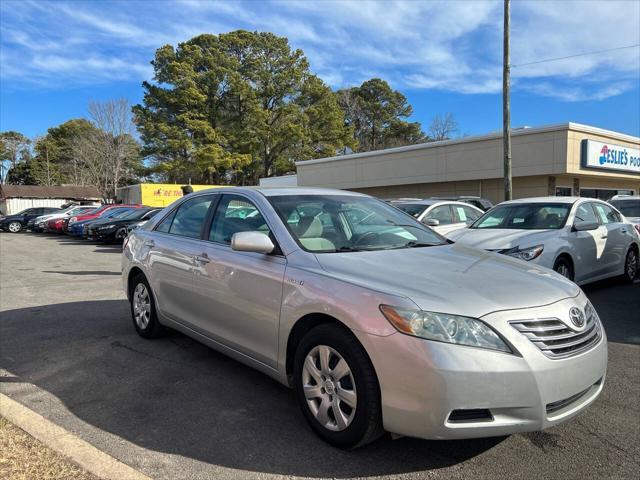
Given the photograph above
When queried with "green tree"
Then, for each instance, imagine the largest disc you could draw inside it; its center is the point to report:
(14, 148)
(21, 174)
(234, 107)
(375, 112)
(54, 153)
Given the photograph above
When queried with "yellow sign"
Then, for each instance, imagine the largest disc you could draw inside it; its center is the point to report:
(163, 194)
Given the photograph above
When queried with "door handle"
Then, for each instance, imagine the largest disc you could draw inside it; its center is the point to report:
(204, 258)
(149, 243)
(604, 236)
(623, 230)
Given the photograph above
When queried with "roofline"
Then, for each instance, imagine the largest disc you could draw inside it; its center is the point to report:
(578, 127)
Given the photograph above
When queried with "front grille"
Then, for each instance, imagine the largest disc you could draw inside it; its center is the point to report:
(556, 340)
(471, 415)
(560, 404)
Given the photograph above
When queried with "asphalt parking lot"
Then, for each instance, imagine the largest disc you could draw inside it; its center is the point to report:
(173, 408)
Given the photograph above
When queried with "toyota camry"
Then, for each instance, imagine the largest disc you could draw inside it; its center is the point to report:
(376, 321)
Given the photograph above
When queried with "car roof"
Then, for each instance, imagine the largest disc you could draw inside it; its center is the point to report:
(625, 198)
(567, 200)
(427, 202)
(280, 191)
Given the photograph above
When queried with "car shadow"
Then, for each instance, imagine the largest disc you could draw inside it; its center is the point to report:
(618, 305)
(177, 396)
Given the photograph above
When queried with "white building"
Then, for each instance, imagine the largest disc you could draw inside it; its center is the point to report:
(15, 198)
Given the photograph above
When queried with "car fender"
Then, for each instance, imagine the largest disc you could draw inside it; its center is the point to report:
(308, 291)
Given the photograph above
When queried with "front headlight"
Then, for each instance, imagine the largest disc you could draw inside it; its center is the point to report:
(443, 327)
(527, 253)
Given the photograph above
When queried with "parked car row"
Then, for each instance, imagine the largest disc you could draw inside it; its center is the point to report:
(583, 239)
(106, 223)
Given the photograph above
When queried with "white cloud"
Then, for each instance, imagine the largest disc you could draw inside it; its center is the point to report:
(450, 46)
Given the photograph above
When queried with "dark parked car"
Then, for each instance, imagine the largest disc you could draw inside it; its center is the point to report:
(17, 222)
(81, 228)
(116, 229)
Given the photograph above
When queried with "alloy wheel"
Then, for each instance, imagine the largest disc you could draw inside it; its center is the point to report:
(141, 306)
(15, 227)
(632, 264)
(329, 388)
(563, 269)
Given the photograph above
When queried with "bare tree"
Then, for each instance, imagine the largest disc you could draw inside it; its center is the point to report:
(443, 127)
(106, 151)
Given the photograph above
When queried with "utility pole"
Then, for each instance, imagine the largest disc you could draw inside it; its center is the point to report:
(506, 106)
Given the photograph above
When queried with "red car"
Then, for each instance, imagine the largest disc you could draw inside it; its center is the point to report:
(98, 212)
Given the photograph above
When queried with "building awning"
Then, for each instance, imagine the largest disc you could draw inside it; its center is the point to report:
(67, 192)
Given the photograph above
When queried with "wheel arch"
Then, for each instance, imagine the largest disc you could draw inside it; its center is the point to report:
(134, 272)
(304, 325)
(569, 258)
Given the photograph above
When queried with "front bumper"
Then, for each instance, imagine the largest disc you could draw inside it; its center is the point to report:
(422, 382)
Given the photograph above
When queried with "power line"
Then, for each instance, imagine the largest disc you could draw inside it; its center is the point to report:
(576, 55)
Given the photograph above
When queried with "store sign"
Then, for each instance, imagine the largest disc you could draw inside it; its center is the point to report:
(608, 156)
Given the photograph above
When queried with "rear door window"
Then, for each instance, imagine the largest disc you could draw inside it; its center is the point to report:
(465, 214)
(188, 219)
(441, 213)
(606, 214)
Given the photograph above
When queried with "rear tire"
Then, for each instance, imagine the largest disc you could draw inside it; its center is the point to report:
(631, 266)
(564, 267)
(14, 227)
(337, 387)
(143, 309)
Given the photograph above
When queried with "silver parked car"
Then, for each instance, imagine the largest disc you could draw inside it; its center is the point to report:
(442, 215)
(377, 322)
(629, 206)
(583, 239)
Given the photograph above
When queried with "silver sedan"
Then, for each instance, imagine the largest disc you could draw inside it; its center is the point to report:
(583, 239)
(377, 322)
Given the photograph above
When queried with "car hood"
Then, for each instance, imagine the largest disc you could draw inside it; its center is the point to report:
(497, 238)
(451, 278)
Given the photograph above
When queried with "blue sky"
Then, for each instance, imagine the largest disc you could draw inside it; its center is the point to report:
(56, 56)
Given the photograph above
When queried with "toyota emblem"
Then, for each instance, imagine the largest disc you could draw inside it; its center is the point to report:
(577, 317)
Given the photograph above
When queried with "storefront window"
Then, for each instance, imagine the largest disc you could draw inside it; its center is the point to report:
(563, 191)
(603, 193)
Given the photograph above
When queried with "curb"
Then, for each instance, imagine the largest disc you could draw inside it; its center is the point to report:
(66, 443)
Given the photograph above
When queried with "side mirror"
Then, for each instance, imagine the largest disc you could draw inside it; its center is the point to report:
(432, 222)
(581, 226)
(256, 242)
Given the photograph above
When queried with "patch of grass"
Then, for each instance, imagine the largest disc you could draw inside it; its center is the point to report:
(22, 457)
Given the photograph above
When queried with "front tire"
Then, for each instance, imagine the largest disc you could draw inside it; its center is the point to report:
(631, 266)
(337, 387)
(143, 309)
(564, 267)
(14, 227)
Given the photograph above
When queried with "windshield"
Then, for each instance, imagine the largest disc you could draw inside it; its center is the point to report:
(343, 223)
(115, 212)
(525, 216)
(629, 208)
(412, 209)
(133, 214)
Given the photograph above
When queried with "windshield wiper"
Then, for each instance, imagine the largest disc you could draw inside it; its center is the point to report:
(414, 244)
(349, 249)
